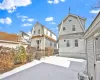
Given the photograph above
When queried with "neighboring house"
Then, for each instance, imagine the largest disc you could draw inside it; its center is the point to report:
(71, 32)
(10, 40)
(92, 37)
(25, 37)
(43, 37)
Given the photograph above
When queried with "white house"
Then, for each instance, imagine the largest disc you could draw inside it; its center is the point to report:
(43, 37)
(71, 32)
(92, 37)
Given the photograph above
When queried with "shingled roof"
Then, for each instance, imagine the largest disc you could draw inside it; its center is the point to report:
(8, 37)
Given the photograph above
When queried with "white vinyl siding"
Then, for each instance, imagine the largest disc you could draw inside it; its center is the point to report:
(90, 53)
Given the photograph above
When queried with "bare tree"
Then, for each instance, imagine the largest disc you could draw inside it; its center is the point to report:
(97, 5)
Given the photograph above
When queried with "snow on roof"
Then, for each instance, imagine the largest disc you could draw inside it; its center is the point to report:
(75, 65)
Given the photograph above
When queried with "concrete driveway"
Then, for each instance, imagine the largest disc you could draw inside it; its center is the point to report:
(44, 71)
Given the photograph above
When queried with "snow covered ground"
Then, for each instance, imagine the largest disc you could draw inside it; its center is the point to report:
(48, 68)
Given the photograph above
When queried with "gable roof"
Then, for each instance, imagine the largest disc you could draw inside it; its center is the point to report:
(8, 37)
(46, 28)
(73, 16)
(92, 23)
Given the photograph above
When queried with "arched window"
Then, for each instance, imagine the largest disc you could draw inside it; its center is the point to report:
(76, 43)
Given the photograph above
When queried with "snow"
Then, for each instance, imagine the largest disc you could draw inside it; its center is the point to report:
(73, 66)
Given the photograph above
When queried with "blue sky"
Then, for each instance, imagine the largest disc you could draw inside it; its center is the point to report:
(16, 15)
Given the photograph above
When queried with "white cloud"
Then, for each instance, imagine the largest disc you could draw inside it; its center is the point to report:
(52, 23)
(30, 20)
(11, 5)
(62, 0)
(5, 20)
(27, 24)
(55, 1)
(50, 2)
(24, 18)
(49, 19)
(94, 11)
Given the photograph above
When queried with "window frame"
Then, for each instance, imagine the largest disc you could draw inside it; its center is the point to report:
(34, 32)
(68, 43)
(64, 28)
(39, 31)
(76, 43)
(73, 28)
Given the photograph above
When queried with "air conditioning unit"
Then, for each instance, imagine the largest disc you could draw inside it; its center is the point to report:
(82, 76)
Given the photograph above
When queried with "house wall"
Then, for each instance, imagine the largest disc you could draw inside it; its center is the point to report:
(69, 34)
(44, 43)
(68, 25)
(72, 51)
(34, 43)
(48, 42)
(36, 28)
(91, 58)
(47, 32)
(92, 46)
(11, 45)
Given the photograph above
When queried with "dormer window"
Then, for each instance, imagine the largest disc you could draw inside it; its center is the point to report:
(73, 28)
(64, 28)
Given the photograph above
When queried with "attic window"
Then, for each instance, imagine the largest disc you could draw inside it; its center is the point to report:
(70, 20)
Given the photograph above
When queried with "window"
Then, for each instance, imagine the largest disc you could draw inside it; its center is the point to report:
(64, 28)
(50, 44)
(47, 32)
(73, 28)
(38, 31)
(51, 34)
(68, 44)
(70, 20)
(54, 44)
(76, 43)
(37, 41)
(34, 32)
